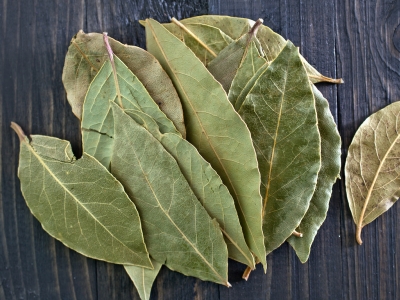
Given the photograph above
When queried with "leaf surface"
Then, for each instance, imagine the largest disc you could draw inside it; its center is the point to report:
(143, 278)
(278, 111)
(373, 167)
(177, 229)
(214, 128)
(205, 184)
(225, 66)
(97, 122)
(87, 54)
(204, 40)
(330, 169)
(79, 202)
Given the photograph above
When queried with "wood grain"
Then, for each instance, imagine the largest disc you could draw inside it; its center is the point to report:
(356, 40)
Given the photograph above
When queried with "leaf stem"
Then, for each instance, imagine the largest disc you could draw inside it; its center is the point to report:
(173, 20)
(246, 273)
(297, 234)
(253, 31)
(111, 57)
(327, 79)
(18, 130)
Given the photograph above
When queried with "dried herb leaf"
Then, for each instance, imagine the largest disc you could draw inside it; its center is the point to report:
(214, 128)
(177, 229)
(330, 169)
(97, 123)
(278, 110)
(372, 167)
(143, 278)
(79, 202)
(224, 67)
(87, 54)
(205, 184)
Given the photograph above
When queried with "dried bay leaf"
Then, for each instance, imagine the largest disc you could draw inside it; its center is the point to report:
(86, 54)
(177, 229)
(97, 123)
(214, 128)
(143, 278)
(224, 67)
(330, 169)
(372, 167)
(205, 184)
(204, 181)
(279, 109)
(79, 202)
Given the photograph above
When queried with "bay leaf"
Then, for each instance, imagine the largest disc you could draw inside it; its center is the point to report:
(205, 184)
(214, 128)
(372, 167)
(177, 229)
(330, 169)
(278, 110)
(225, 66)
(86, 54)
(79, 202)
(143, 278)
(97, 123)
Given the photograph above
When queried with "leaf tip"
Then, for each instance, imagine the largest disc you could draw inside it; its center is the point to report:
(18, 130)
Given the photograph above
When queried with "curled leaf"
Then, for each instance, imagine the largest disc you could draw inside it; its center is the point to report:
(373, 167)
(79, 202)
(87, 54)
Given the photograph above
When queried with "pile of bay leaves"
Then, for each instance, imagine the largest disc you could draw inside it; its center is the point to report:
(213, 144)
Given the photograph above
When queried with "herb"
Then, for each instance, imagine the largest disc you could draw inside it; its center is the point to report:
(372, 167)
(214, 128)
(78, 202)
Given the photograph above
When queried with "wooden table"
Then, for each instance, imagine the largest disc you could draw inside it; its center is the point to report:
(355, 40)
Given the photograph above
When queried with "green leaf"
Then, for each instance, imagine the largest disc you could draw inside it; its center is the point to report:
(214, 128)
(143, 278)
(205, 184)
(373, 167)
(224, 67)
(86, 54)
(177, 229)
(330, 169)
(279, 109)
(204, 40)
(97, 123)
(79, 202)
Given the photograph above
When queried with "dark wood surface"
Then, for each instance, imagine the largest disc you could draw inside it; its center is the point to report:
(356, 40)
